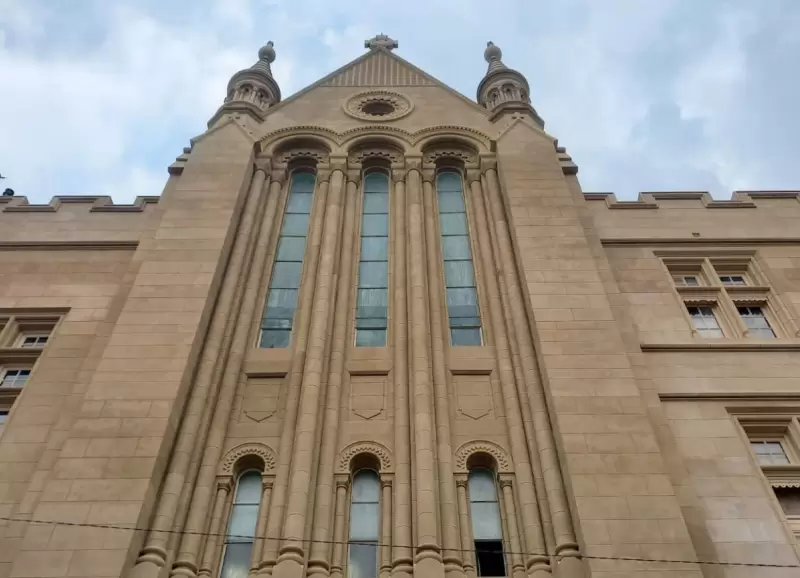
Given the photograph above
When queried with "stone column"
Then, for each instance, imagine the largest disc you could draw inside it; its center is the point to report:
(566, 545)
(261, 525)
(538, 564)
(517, 564)
(323, 508)
(153, 554)
(467, 543)
(339, 539)
(447, 500)
(385, 565)
(185, 564)
(215, 529)
(402, 556)
(295, 378)
(427, 559)
(292, 554)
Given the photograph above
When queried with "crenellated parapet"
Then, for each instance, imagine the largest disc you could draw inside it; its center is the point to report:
(96, 204)
(656, 200)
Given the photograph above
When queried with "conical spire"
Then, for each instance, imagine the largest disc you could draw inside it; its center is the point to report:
(502, 89)
(253, 90)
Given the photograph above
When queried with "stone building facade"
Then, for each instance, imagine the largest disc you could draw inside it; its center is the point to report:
(377, 329)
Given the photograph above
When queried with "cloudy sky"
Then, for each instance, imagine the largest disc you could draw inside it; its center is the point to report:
(99, 96)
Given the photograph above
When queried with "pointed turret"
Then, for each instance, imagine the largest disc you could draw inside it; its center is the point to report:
(504, 90)
(252, 90)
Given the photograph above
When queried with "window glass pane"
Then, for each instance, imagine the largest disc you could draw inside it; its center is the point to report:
(448, 181)
(372, 302)
(373, 274)
(456, 248)
(295, 225)
(242, 527)
(3, 417)
(376, 203)
(789, 499)
(485, 520)
(376, 182)
(237, 560)
(363, 561)
(481, 486)
(465, 322)
(366, 486)
(300, 203)
(363, 521)
(303, 182)
(272, 338)
(371, 323)
(248, 490)
(451, 202)
(453, 223)
(281, 303)
(371, 337)
(291, 248)
(374, 248)
(465, 336)
(462, 302)
(459, 274)
(375, 225)
(286, 275)
(490, 559)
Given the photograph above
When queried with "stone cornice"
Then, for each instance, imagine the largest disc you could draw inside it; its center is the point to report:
(69, 245)
(720, 345)
(699, 241)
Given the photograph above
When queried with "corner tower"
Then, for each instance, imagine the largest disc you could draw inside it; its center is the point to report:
(504, 91)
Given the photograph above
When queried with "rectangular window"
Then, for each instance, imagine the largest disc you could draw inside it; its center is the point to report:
(15, 378)
(30, 341)
(686, 280)
(735, 280)
(372, 302)
(459, 274)
(3, 418)
(287, 272)
(769, 452)
(705, 322)
(756, 322)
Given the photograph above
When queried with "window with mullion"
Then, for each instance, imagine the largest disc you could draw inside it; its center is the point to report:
(372, 302)
(459, 275)
(284, 285)
(364, 524)
(242, 526)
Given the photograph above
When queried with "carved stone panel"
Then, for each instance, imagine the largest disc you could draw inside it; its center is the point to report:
(367, 396)
(473, 396)
(261, 400)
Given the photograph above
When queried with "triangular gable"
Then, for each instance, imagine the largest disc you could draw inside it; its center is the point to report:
(378, 67)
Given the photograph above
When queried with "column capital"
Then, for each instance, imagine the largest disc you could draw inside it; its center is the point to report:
(386, 483)
(224, 484)
(488, 162)
(429, 175)
(278, 175)
(505, 483)
(461, 483)
(338, 163)
(353, 175)
(473, 175)
(267, 483)
(342, 484)
(413, 163)
(398, 175)
(264, 165)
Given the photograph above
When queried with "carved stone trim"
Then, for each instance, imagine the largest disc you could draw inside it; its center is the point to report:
(286, 156)
(463, 453)
(377, 151)
(397, 105)
(449, 151)
(234, 455)
(382, 453)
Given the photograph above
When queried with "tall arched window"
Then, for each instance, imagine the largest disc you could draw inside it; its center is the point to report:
(276, 324)
(364, 525)
(486, 525)
(372, 308)
(459, 275)
(242, 526)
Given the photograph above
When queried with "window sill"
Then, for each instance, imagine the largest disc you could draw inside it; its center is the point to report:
(726, 345)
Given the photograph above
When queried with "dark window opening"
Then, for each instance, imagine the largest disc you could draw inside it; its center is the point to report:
(377, 108)
(490, 558)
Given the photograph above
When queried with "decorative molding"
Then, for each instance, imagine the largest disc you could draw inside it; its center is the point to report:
(438, 151)
(234, 455)
(286, 156)
(760, 397)
(376, 151)
(700, 241)
(486, 447)
(396, 105)
(374, 448)
(723, 345)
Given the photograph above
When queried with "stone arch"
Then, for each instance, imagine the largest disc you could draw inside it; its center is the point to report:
(298, 147)
(497, 454)
(447, 149)
(468, 136)
(323, 138)
(378, 148)
(378, 451)
(242, 453)
(401, 138)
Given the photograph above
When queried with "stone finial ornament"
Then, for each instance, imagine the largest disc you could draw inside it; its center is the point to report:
(381, 41)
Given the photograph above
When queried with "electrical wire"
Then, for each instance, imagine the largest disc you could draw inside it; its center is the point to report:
(379, 544)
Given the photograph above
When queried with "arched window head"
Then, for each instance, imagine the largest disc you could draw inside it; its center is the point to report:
(242, 526)
(284, 285)
(486, 525)
(459, 275)
(372, 303)
(364, 524)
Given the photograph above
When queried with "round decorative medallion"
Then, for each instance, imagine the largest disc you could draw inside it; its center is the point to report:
(378, 106)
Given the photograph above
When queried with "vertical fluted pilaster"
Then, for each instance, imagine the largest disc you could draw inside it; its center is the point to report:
(537, 563)
(559, 509)
(466, 529)
(385, 565)
(153, 554)
(447, 500)
(323, 510)
(299, 341)
(261, 525)
(337, 558)
(427, 559)
(517, 563)
(292, 553)
(402, 556)
(215, 529)
(186, 561)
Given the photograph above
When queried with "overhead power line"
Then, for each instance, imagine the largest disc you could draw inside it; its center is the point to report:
(379, 544)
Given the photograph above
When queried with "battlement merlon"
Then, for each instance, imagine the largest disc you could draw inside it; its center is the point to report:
(650, 200)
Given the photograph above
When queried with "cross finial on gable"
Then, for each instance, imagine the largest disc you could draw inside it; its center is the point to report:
(380, 41)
